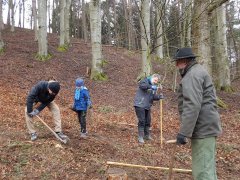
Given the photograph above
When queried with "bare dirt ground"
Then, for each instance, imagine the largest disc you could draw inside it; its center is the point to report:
(111, 124)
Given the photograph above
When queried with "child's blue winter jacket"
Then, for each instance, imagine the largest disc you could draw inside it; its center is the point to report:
(81, 99)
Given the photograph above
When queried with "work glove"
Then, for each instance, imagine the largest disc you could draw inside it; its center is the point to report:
(154, 87)
(181, 139)
(161, 96)
(33, 113)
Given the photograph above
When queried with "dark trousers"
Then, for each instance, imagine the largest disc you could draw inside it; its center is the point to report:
(82, 120)
(144, 118)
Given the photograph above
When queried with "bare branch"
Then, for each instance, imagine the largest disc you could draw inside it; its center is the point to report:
(215, 5)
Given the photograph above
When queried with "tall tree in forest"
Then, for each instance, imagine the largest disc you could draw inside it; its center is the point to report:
(126, 18)
(1, 40)
(34, 14)
(95, 26)
(64, 22)
(188, 23)
(42, 32)
(201, 30)
(20, 15)
(145, 38)
(201, 33)
(159, 28)
(12, 5)
(234, 38)
(221, 55)
(131, 39)
(109, 37)
(1, 16)
(172, 29)
(62, 4)
(84, 23)
(23, 4)
(55, 17)
(9, 13)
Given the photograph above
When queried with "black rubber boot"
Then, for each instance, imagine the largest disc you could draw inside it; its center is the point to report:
(140, 135)
(147, 135)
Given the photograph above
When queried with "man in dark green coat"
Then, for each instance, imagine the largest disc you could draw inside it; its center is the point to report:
(199, 117)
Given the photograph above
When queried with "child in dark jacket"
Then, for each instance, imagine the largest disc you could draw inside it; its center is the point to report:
(81, 104)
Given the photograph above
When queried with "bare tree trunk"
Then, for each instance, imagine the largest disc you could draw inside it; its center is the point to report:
(49, 17)
(9, 13)
(85, 31)
(132, 43)
(12, 4)
(181, 24)
(62, 27)
(20, 15)
(66, 22)
(42, 35)
(188, 20)
(1, 41)
(95, 25)
(23, 13)
(126, 22)
(201, 33)
(115, 23)
(34, 11)
(1, 28)
(224, 82)
(145, 37)
(1, 16)
(159, 31)
(108, 22)
(55, 17)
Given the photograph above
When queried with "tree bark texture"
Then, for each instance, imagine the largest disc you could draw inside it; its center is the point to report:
(35, 23)
(145, 37)
(201, 34)
(84, 24)
(42, 32)
(221, 49)
(1, 16)
(95, 26)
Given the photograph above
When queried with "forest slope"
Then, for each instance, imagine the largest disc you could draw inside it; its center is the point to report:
(111, 124)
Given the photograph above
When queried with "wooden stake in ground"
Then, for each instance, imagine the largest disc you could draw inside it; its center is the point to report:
(172, 162)
(161, 114)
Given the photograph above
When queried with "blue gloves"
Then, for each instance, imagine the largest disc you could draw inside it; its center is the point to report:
(33, 113)
(154, 87)
(181, 139)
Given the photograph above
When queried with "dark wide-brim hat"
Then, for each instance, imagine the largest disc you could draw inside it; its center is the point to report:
(184, 53)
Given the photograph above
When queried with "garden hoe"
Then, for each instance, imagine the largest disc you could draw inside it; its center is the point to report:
(65, 140)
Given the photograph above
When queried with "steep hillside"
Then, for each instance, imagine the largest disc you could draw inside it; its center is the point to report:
(111, 124)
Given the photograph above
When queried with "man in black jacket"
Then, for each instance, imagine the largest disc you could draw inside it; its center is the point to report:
(41, 96)
(143, 101)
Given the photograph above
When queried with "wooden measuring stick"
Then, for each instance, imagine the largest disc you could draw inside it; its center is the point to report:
(148, 167)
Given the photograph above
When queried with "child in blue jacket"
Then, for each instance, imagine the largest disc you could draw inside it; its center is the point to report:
(81, 104)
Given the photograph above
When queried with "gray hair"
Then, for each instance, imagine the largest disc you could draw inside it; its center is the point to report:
(157, 76)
